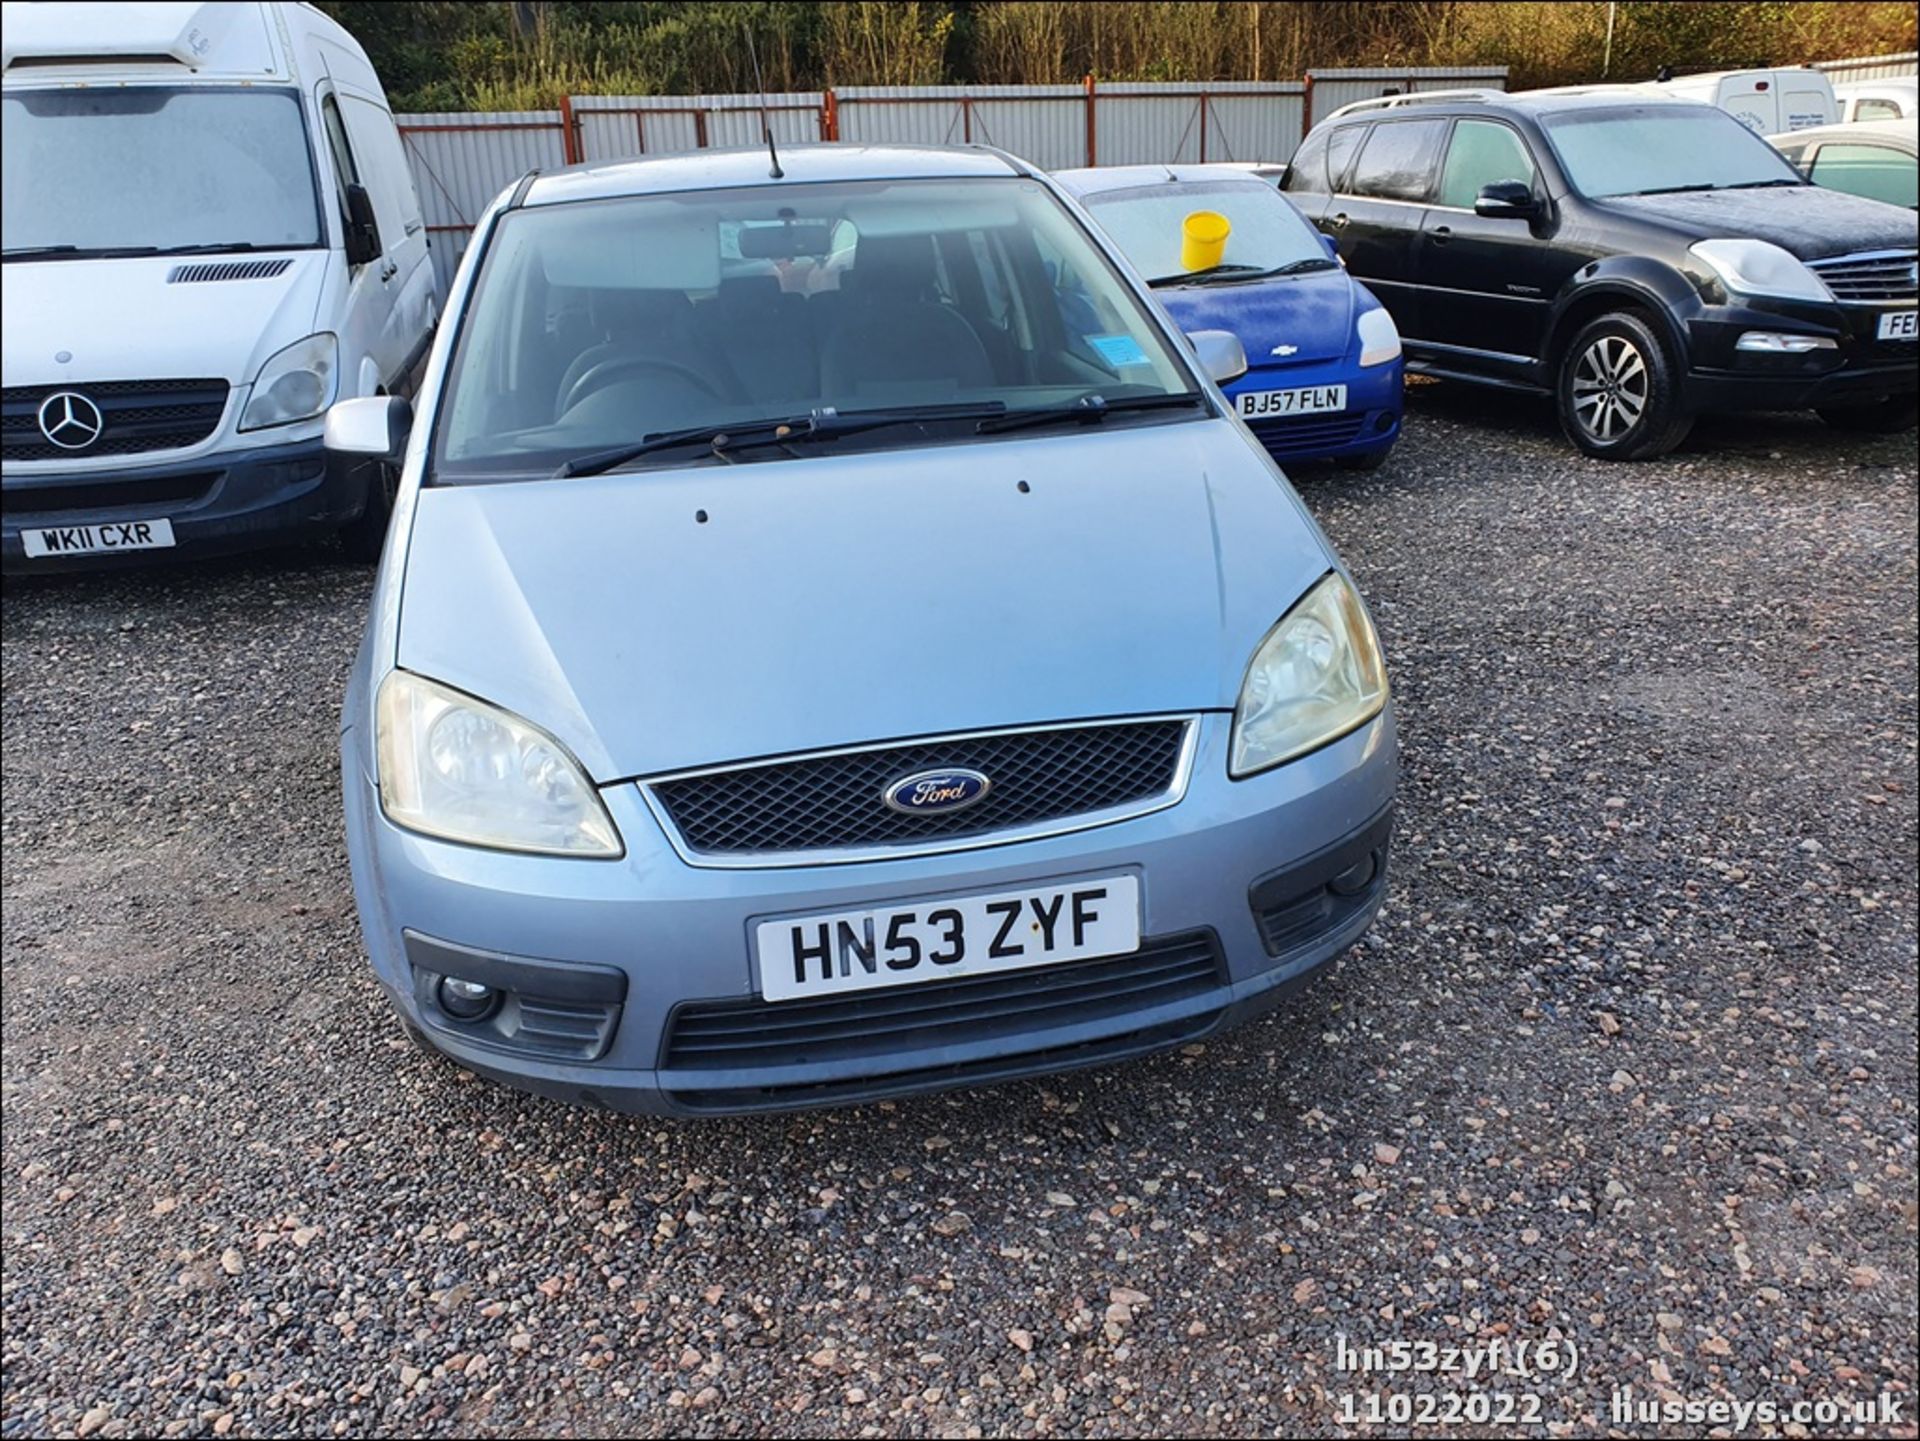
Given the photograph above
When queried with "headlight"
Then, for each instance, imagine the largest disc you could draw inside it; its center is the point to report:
(296, 383)
(1757, 267)
(1316, 676)
(1379, 337)
(458, 768)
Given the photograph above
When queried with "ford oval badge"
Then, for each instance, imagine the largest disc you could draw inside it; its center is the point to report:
(929, 793)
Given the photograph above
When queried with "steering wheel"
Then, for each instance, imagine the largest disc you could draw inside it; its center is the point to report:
(600, 376)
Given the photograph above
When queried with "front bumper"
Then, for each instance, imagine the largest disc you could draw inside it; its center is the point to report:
(1859, 370)
(1246, 888)
(1369, 424)
(223, 501)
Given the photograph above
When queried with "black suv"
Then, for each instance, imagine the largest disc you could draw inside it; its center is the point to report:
(1642, 259)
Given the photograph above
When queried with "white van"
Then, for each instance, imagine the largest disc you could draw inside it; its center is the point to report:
(1767, 102)
(211, 234)
(1894, 98)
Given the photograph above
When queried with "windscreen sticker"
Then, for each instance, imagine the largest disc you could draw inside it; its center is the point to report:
(1117, 350)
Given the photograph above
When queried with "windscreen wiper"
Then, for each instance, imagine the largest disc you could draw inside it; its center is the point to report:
(216, 249)
(823, 423)
(1765, 184)
(1211, 273)
(1087, 410)
(1676, 189)
(75, 252)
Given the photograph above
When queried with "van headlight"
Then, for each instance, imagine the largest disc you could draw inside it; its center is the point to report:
(455, 767)
(1317, 676)
(295, 384)
(1759, 267)
(1379, 337)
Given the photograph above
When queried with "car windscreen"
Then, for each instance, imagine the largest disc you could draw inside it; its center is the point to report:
(155, 168)
(1661, 150)
(605, 323)
(1145, 221)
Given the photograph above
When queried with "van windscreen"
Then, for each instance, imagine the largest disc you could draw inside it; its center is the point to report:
(152, 169)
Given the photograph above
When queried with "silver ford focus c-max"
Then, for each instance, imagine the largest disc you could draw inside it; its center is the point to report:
(834, 642)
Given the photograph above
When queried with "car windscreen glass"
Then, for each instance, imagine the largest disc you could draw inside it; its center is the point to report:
(1879, 172)
(146, 168)
(1661, 150)
(600, 324)
(1146, 221)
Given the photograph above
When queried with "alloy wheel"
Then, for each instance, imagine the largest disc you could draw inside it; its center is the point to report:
(1611, 384)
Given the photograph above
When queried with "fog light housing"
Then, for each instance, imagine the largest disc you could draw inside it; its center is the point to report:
(466, 1000)
(1779, 342)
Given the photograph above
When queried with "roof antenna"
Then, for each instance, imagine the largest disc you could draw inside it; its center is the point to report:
(766, 125)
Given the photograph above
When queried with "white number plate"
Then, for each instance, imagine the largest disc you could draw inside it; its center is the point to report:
(1309, 400)
(902, 945)
(1900, 325)
(99, 539)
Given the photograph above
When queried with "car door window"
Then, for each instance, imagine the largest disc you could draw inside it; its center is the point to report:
(388, 179)
(1307, 174)
(1876, 110)
(1397, 161)
(1482, 153)
(1340, 147)
(345, 173)
(1878, 172)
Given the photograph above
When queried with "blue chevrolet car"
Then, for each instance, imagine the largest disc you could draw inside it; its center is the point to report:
(1324, 367)
(843, 666)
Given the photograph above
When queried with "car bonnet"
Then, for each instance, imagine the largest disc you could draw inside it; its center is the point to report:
(659, 620)
(1809, 221)
(1284, 321)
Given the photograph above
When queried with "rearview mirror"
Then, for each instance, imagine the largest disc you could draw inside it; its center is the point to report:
(1506, 200)
(1220, 353)
(369, 425)
(363, 231)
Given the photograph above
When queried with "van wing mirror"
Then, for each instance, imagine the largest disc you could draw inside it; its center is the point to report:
(363, 231)
(369, 425)
(1220, 354)
(1506, 200)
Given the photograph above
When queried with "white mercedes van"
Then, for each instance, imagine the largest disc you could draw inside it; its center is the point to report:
(211, 234)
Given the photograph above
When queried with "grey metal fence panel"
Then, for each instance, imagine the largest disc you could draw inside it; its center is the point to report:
(1050, 130)
(462, 161)
(1146, 122)
(1330, 89)
(614, 127)
(1871, 67)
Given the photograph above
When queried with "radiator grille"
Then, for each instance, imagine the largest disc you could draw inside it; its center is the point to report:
(1887, 275)
(760, 1052)
(135, 416)
(813, 804)
(1307, 434)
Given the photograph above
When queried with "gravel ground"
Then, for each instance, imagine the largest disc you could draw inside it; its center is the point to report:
(1628, 1060)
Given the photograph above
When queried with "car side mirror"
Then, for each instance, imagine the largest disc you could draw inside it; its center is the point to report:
(1332, 245)
(1506, 200)
(363, 231)
(1220, 353)
(369, 425)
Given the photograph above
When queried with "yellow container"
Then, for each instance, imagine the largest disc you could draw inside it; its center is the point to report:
(1203, 239)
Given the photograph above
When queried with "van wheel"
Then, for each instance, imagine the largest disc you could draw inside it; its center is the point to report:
(1883, 417)
(1619, 398)
(365, 535)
